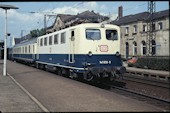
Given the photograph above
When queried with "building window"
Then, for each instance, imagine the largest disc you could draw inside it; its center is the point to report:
(143, 48)
(45, 41)
(153, 47)
(56, 39)
(160, 25)
(144, 28)
(127, 50)
(126, 30)
(134, 48)
(135, 29)
(63, 38)
(153, 27)
(50, 40)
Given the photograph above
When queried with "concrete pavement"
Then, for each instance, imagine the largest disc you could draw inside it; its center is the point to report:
(13, 98)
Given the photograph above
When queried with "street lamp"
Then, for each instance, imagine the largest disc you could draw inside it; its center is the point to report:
(6, 7)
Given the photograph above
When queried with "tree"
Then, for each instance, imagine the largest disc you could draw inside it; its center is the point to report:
(36, 33)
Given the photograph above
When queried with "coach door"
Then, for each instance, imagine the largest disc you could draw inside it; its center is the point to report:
(72, 43)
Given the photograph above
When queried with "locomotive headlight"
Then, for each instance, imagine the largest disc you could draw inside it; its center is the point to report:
(117, 53)
(102, 25)
(90, 53)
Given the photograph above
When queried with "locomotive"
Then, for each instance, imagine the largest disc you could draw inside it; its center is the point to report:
(90, 51)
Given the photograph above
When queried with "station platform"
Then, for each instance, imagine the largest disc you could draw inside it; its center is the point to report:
(155, 74)
(59, 94)
(13, 98)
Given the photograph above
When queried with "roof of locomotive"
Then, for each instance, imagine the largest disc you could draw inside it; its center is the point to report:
(82, 25)
(31, 41)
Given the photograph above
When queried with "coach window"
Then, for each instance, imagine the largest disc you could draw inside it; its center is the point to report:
(29, 48)
(63, 38)
(111, 35)
(45, 41)
(25, 49)
(56, 39)
(93, 34)
(33, 48)
(22, 49)
(50, 40)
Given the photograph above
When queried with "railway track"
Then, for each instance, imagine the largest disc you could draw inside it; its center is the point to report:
(121, 86)
(149, 81)
(121, 89)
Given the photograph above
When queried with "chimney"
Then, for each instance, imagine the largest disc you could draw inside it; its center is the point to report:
(120, 12)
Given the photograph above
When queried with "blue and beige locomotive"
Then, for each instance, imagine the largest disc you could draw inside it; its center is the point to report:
(89, 51)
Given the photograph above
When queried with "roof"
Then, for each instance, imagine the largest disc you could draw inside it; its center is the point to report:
(161, 14)
(144, 16)
(26, 42)
(17, 40)
(63, 17)
(84, 15)
(87, 15)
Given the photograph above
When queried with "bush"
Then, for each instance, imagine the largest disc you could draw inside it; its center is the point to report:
(156, 63)
(130, 65)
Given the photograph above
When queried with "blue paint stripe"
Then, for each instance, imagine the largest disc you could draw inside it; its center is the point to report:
(62, 59)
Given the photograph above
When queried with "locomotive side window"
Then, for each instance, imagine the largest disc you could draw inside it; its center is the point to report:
(50, 40)
(56, 39)
(41, 43)
(111, 35)
(45, 41)
(72, 33)
(63, 38)
(93, 34)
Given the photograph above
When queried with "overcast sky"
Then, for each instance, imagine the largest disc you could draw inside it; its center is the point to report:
(22, 19)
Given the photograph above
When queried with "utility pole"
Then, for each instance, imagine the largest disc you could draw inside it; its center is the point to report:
(45, 18)
(150, 26)
(45, 24)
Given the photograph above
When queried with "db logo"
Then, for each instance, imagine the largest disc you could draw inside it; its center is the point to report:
(103, 48)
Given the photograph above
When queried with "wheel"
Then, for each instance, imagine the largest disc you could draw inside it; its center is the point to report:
(37, 65)
(88, 76)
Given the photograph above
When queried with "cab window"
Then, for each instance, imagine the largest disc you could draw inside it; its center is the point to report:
(93, 34)
(111, 35)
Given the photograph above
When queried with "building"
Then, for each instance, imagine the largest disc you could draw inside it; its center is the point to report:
(1, 49)
(134, 33)
(65, 20)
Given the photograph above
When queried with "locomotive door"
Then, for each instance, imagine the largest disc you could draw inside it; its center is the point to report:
(71, 52)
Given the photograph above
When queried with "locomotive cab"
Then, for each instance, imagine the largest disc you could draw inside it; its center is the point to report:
(97, 50)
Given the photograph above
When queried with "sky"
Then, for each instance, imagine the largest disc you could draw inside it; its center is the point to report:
(22, 20)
